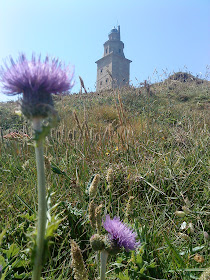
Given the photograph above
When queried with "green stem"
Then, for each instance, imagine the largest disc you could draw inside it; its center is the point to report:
(104, 256)
(42, 207)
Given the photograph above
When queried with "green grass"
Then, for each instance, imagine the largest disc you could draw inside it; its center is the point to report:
(156, 142)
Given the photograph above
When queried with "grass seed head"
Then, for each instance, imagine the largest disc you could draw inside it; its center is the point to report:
(98, 217)
(94, 185)
(78, 262)
(129, 206)
(110, 177)
(92, 218)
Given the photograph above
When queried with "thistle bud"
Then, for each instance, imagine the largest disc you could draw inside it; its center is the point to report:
(78, 262)
(97, 242)
(111, 246)
(94, 185)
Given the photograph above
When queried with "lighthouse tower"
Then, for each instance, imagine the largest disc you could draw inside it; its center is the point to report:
(113, 69)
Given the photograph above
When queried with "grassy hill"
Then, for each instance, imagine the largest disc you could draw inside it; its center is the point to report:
(154, 140)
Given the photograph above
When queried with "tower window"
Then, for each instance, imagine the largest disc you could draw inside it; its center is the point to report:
(100, 83)
(119, 50)
(106, 80)
(106, 50)
(101, 70)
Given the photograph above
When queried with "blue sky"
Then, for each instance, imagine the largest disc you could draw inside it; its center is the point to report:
(166, 35)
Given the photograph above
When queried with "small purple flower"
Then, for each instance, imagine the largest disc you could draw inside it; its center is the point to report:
(37, 80)
(120, 234)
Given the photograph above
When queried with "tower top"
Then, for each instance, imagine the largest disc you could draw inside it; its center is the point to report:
(113, 69)
(115, 34)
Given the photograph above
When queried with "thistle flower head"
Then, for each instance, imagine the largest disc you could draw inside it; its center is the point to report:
(120, 234)
(37, 80)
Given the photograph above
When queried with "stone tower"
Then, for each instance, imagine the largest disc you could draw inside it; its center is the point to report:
(113, 69)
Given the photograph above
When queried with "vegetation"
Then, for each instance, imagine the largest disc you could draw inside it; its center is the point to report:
(154, 140)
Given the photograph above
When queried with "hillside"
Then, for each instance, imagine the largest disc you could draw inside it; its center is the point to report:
(154, 140)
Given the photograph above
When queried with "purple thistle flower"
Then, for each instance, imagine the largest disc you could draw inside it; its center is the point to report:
(120, 233)
(37, 80)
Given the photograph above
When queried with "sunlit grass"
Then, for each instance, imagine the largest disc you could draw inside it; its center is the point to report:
(155, 141)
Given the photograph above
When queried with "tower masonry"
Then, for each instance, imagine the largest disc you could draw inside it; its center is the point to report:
(113, 69)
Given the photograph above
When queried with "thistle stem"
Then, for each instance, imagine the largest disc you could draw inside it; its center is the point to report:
(42, 208)
(104, 256)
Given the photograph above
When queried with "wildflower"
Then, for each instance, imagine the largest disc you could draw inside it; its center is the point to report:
(37, 80)
(78, 262)
(183, 226)
(120, 234)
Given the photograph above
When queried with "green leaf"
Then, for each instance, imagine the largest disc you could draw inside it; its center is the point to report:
(142, 270)
(57, 170)
(176, 254)
(89, 184)
(2, 235)
(20, 276)
(139, 260)
(24, 203)
(2, 261)
(3, 277)
(124, 276)
(13, 251)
